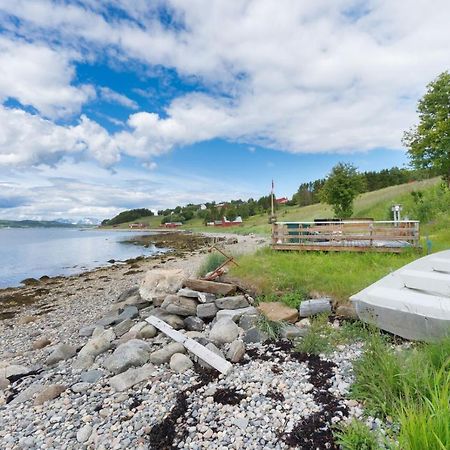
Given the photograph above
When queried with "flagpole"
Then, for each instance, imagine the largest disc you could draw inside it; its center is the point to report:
(271, 201)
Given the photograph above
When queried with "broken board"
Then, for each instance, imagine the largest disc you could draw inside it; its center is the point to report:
(212, 287)
(216, 361)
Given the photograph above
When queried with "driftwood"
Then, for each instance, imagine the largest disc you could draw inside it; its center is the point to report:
(211, 287)
(199, 350)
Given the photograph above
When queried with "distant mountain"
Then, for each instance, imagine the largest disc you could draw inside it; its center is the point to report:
(35, 224)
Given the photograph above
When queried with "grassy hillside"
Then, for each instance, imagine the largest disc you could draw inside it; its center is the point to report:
(374, 204)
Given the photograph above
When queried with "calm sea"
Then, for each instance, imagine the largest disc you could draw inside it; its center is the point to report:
(33, 252)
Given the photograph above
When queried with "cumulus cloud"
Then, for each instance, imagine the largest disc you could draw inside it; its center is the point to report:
(38, 76)
(294, 76)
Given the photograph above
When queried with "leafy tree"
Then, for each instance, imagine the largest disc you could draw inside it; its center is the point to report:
(428, 142)
(340, 189)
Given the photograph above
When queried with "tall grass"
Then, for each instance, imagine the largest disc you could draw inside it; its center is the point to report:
(211, 263)
(410, 386)
(356, 435)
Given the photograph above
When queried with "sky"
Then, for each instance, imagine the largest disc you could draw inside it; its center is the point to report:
(115, 104)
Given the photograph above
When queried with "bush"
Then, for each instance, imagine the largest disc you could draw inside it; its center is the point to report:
(270, 327)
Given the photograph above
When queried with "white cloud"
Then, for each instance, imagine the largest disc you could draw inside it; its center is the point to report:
(38, 76)
(296, 76)
(86, 190)
(111, 96)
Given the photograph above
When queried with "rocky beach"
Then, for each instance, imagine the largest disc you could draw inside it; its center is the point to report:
(81, 368)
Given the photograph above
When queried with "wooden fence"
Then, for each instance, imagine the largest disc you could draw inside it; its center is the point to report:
(346, 235)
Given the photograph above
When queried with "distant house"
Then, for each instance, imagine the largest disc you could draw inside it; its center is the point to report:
(173, 224)
(226, 223)
(136, 225)
(281, 201)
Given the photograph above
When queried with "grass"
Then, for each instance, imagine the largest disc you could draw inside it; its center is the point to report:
(409, 386)
(323, 337)
(269, 327)
(338, 275)
(356, 435)
(211, 263)
(289, 298)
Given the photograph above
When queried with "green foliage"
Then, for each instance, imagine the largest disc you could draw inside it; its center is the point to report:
(270, 327)
(289, 298)
(356, 435)
(341, 188)
(428, 142)
(212, 262)
(411, 386)
(429, 204)
(129, 216)
(336, 274)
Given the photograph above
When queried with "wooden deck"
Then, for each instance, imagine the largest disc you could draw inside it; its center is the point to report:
(346, 235)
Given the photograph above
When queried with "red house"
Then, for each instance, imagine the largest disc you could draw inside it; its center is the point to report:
(281, 201)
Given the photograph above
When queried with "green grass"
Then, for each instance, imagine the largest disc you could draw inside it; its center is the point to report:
(336, 274)
(409, 386)
(323, 337)
(291, 299)
(212, 262)
(356, 435)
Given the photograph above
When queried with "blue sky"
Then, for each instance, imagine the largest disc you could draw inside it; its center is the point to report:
(120, 104)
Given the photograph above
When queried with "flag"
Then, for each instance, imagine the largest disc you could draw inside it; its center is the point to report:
(273, 185)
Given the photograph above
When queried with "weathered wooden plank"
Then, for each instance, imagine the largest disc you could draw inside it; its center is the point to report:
(212, 287)
(344, 237)
(216, 361)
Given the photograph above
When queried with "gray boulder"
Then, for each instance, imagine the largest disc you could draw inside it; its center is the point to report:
(164, 354)
(224, 331)
(315, 306)
(87, 330)
(49, 393)
(144, 330)
(27, 393)
(12, 370)
(248, 321)
(207, 310)
(235, 302)
(129, 312)
(255, 335)
(186, 292)
(173, 320)
(159, 282)
(60, 353)
(133, 353)
(293, 332)
(236, 351)
(131, 377)
(180, 362)
(193, 323)
(132, 292)
(236, 314)
(182, 306)
(123, 327)
(94, 347)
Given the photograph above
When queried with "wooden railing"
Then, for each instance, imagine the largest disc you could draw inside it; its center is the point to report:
(346, 235)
